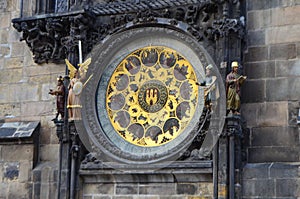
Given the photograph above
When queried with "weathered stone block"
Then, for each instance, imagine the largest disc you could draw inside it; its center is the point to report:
(10, 76)
(187, 189)
(258, 5)
(4, 50)
(287, 187)
(103, 197)
(13, 34)
(256, 171)
(272, 114)
(257, 54)
(293, 88)
(283, 51)
(285, 16)
(40, 70)
(284, 170)
(273, 154)
(22, 93)
(275, 136)
(276, 89)
(99, 189)
(45, 135)
(283, 34)
(17, 50)
(4, 190)
(287, 68)
(256, 38)
(25, 171)
(206, 189)
(161, 188)
(18, 190)
(253, 91)
(123, 197)
(42, 79)
(17, 152)
(127, 189)
(249, 112)
(10, 110)
(259, 188)
(15, 62)
(258, 20)
(4, 35)
(5, 19)
(260, 70)
(28, 60)
(49, 152)
(37, 108)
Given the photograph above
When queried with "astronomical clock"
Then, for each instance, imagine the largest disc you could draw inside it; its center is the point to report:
(149, 97)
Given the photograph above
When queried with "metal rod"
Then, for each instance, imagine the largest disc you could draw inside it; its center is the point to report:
(21, 8)
(80, 51)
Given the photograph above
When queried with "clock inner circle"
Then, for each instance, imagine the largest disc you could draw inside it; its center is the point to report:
(152, 96)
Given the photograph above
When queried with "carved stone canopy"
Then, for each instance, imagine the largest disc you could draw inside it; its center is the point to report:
(53, 37)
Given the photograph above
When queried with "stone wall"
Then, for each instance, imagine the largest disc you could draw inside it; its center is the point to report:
(271, 93)
(24, 96)
(271, 180)
(271, 99)
(24, 85)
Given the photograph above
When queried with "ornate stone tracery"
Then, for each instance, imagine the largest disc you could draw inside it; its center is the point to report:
(58, 33)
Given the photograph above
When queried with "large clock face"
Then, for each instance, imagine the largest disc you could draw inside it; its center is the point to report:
(145, 102)
(152, 96)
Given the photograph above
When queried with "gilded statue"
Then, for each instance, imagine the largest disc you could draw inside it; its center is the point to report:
(77, 76)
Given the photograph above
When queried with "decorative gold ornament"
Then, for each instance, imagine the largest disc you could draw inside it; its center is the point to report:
(152, 96)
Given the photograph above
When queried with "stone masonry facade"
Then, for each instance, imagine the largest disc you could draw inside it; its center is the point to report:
(271, 99)
(24, 96)
(270, 106)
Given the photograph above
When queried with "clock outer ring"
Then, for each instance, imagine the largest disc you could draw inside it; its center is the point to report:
(109, 54)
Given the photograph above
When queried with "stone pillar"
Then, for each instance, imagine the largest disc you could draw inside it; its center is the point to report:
(63, 169)
(230, 159)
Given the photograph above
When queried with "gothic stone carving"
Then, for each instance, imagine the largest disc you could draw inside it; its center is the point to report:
(52, 37)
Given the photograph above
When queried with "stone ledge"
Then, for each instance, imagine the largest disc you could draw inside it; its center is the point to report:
(200, 171)
(18, 130)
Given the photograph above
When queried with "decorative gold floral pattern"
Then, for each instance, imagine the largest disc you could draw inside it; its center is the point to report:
(152, 96)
